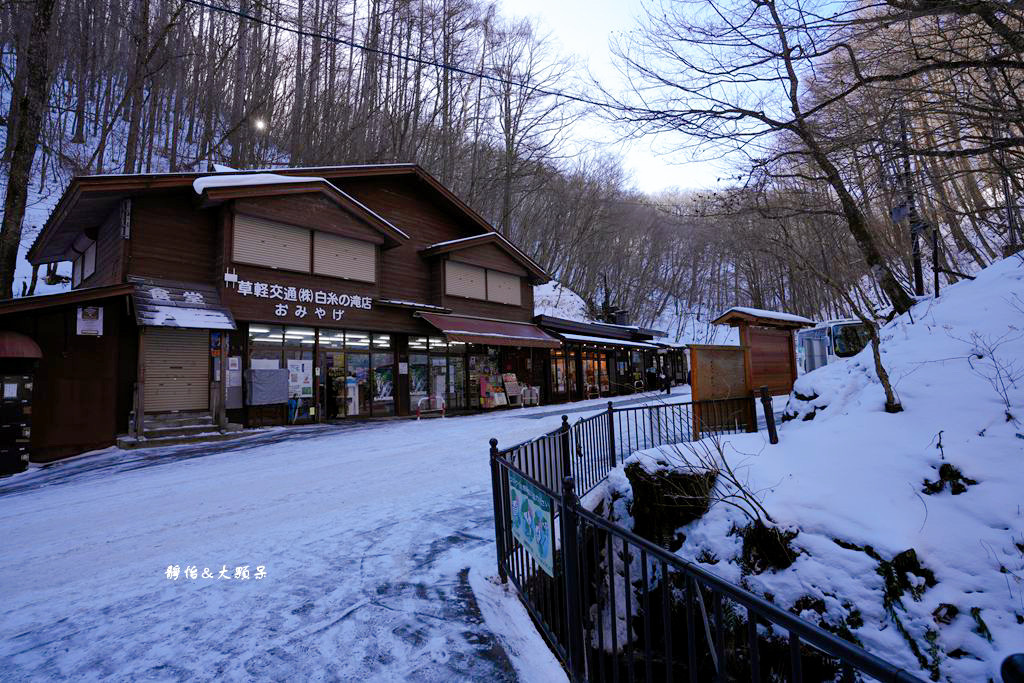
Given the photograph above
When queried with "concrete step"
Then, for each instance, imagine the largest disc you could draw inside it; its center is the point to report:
(178, 420)
(234, 431)
(153, 432)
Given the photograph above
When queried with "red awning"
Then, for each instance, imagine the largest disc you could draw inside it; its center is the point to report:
(16, 345)
(491, 332)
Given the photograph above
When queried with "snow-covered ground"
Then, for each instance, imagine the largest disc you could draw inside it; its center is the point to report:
(365, 534)
(861, 487)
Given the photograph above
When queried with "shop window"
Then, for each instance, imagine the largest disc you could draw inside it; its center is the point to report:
(383, 364)
(265, 346)
(438, 345)
(339, 256)
(273, 245)
(465, 280)
(503, 288)
(357, 341)
(298, 357)
(357, 394)
(418, 377)
(417, 344)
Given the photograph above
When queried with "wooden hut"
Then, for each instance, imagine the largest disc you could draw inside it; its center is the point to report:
(769, 337)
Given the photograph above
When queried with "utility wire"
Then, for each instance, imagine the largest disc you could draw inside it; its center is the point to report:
(398, 55)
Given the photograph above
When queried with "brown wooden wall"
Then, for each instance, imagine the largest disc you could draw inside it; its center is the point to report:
(772, 358)
(489, 256)
(313, 210)
(718, 372)
(109, 254)
(83, 385)
(171, 238)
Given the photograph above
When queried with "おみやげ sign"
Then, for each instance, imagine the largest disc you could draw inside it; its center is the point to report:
(533, 524)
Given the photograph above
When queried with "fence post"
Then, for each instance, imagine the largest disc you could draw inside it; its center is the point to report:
(769, 415)
(611, 434)
(499, 516)
(563, 440)
(570, 574)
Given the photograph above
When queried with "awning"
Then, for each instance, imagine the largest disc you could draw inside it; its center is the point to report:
(491, 332)
(606, 340)
(165, 303)
(17, 345)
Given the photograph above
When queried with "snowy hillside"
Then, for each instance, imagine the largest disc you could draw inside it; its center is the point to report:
(555, 299)
(910, 526)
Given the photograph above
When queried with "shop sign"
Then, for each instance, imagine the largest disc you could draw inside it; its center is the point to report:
(533, 524)
(90, 320)
(302, 302)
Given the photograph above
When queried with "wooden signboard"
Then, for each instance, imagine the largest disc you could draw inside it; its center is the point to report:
(721, 372)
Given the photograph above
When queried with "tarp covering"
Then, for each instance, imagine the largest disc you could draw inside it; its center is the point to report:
(491, 332)
(165, 303)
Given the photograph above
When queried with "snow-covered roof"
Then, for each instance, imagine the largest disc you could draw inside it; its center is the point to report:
(605, 340)
(769, 315)
(202, 184)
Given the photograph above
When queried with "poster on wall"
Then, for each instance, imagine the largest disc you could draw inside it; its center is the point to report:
(90, 320)
(532, 522)
(300, 378)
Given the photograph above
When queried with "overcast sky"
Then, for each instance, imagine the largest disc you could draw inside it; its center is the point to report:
(583, 28)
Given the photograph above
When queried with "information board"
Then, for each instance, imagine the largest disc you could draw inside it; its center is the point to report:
(533, 524)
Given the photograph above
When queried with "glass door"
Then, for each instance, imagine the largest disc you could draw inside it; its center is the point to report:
(456, 382)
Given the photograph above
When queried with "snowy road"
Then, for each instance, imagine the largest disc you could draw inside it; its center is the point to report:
(365, 533)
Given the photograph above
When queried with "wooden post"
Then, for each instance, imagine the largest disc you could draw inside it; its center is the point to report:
(140, 414)
(222, 406)
(769, 416)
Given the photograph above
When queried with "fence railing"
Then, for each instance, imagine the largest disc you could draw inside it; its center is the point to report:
(619, 607)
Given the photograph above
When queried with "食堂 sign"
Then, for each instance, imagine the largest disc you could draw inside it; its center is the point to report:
(533, 524)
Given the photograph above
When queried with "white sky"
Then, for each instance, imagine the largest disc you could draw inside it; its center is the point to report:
(583, 28)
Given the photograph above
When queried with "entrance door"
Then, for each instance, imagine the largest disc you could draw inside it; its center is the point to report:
(177, 369)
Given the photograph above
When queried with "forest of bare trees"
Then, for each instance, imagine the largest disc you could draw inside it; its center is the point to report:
(807, 101)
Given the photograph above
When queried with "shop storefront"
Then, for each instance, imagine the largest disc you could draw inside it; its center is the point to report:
(600, 359)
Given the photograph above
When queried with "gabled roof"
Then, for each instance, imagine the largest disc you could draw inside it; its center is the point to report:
(88, 200)
(217, 189)
(488, 238)
(75, 296)
(738, 315)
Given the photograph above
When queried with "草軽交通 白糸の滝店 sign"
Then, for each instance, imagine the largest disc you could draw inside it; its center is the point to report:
(532, 522)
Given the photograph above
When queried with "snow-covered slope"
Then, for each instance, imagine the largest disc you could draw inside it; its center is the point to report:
(861, 487)
(555, 299)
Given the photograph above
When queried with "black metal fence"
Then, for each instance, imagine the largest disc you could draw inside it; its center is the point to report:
(621, 608)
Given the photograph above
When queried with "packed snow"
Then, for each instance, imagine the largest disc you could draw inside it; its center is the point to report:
(860, 486)
(376, 542)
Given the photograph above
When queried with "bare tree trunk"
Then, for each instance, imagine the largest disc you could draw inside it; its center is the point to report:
(33, 101)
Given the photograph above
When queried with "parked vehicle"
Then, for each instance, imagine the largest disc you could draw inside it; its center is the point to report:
(829, 341)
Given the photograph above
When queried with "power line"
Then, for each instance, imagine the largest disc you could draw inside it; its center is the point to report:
(398, 55)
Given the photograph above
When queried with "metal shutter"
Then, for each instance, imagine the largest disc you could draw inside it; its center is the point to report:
(177, 371)
(266, 243)
(343, 257)
(503, 288)
(465, 280)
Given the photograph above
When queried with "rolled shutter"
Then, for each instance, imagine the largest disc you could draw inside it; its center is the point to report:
(274, 245)
(176, 369)
(465, 280)
(344, 257)
(503, 288)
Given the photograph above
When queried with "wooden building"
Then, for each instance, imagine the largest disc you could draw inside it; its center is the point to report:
(603, 359)
(767, 337)
(257, 298)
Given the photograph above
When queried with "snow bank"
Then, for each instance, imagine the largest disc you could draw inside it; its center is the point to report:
(862, 487)
(558, 301)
